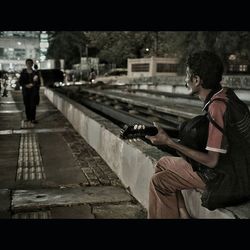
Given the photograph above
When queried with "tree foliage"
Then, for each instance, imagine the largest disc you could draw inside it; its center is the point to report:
(67, 45)
(117, 46)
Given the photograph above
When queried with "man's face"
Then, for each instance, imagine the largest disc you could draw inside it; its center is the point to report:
(29, 64)
(190, 82)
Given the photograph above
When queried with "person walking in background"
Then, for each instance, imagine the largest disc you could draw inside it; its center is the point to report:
(5, 85)
(30, 82)
(92, 76)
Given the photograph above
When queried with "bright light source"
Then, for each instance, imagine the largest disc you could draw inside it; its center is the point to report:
(42, 58)
(232, 57)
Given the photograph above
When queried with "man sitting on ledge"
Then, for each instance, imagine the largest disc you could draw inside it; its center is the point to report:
(220, 169)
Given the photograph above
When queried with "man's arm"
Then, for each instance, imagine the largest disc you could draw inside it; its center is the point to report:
(36, 79)
(21, 79)
(208, 159)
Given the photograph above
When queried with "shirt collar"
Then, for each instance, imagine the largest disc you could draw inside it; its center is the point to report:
(209, 98)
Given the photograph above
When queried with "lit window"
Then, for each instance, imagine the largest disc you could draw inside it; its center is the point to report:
(140, 67)
(166, 67)
(243, 68)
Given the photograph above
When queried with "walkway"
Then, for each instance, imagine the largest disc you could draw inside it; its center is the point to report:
(47, 170)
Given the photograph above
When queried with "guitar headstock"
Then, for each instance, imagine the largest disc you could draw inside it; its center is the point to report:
(137, 131)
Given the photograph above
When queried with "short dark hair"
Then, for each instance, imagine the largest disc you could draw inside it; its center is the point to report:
(29, 60)
(208, 66)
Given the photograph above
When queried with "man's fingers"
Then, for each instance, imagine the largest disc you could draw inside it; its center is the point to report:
(156, 124)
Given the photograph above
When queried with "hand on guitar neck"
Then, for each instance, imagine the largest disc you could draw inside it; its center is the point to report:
(139, 131)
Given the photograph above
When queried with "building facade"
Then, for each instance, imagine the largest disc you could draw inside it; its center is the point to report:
(154, 66)
(16, 47)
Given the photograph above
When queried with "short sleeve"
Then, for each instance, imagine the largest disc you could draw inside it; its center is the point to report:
(216, 140)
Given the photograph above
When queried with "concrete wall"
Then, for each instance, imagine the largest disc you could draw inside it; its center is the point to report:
(176, 84)
(133, 162)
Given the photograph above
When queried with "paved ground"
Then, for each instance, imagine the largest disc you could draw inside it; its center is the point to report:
(47, 170)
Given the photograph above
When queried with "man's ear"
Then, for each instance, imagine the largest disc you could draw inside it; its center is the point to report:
(197, 80)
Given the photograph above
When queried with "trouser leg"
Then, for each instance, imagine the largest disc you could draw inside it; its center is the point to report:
(27, 111)
(33, 102)
(29, 99)
(33, 109)
(27, 106)
(172, 175)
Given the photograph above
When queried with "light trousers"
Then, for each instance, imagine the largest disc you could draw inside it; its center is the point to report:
(172, 174)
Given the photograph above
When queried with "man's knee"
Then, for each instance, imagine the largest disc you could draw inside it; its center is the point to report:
(159, 182)
(162, 164)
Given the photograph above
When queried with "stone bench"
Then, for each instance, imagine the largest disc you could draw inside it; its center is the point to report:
(192, 200)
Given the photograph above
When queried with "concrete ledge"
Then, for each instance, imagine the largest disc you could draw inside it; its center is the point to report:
(133, 162)
(192, 200)
(175, 84)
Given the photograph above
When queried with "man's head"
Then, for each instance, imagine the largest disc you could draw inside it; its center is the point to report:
(206, 67)
(29, 63)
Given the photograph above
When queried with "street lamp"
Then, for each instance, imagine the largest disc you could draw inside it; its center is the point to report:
(146, 52)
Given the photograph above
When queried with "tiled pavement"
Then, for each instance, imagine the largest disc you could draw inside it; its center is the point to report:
(47, 170)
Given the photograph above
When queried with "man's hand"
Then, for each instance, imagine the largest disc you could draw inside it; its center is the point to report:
(30, 85)
(161, 138)
(35, 78)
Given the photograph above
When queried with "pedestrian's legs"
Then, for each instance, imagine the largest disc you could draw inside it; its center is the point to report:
(33, 113)
(172, 175)
(26, 104)
(33, 106)
(29, 98)
(27, 111)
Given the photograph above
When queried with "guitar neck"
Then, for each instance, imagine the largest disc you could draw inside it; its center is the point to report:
(140, 131)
